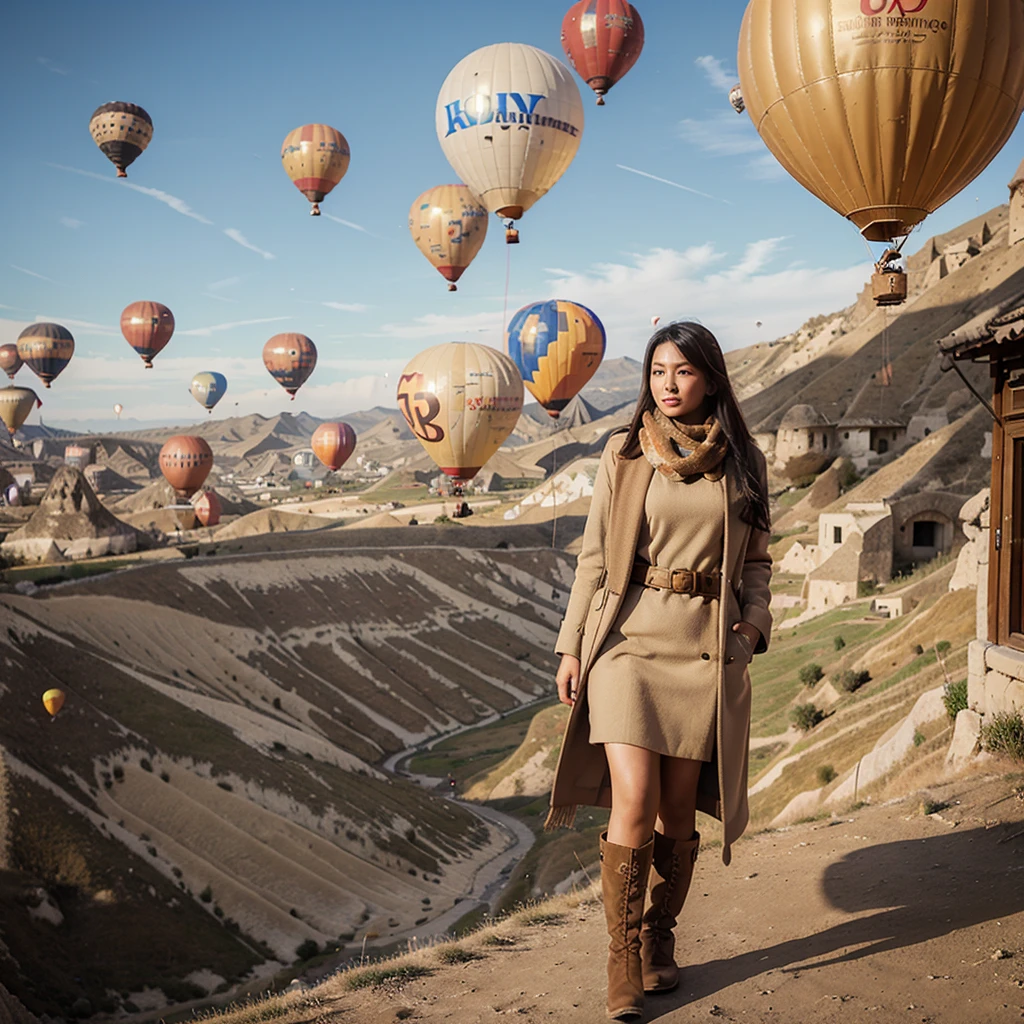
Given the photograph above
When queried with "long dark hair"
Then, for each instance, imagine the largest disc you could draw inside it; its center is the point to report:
(701, 350)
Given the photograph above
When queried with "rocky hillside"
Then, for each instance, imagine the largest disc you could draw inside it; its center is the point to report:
(211, 797)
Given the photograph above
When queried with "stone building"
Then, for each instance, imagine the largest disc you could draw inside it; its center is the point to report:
(1017, 206)
(861, 436)
(805, 437)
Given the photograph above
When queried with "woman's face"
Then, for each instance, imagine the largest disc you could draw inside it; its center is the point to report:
(678, 388)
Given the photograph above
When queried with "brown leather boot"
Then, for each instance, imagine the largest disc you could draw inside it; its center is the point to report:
(624, 872)
(670, 879)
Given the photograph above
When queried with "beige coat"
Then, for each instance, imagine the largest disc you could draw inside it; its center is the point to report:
(602, 578)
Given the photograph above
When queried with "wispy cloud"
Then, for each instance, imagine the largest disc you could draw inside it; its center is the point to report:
(226, 282)
(716, 73)
(674, 184)
(350, 224)
(31, 273)
(219, 297)
(72, 222)
(50, 66)
(766, 168)
(347, 307)
(82, 326)
(468, 326)
(236, 236)
(722, 135)
(205, 332)
(176, 204)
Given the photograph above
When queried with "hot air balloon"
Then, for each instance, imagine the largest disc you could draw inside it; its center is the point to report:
(186, 461)
(602, 39)
(46, 349)
(290, 358)
(10, 361)
(122, 131)
(53, 701)
(118, 409)
(315, 157)
(736, 98)
(207, 507)
(757, 323)
(557, 346)
(147, 327)
(509, 118)
(881, 109)
(655, 320)
(15, 405)
(208, 388)
(333, 443)
(461, 400)
(448, 225)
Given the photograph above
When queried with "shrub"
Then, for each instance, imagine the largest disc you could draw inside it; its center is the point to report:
(810, 674)
(226, 786)
(954, 696)
(918, 650)
(942, 647)
(206, 895)
(165, 777)
(442, 519)
(918, 737)
(456, 955)
(849, 681)
(375, 976)
(146, 765)
(307, 949)
(182, 991)
(806, 716)
(826, 773)
(276, 703)
(1005, 734)
(118, 773)
(838, 643)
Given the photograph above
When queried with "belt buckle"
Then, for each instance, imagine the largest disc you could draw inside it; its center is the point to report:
(678, 579)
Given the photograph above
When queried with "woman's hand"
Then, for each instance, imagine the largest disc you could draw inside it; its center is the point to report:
(750, 631)
(568, 679)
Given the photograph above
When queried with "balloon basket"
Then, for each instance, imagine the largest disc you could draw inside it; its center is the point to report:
(315, 211)
(889, 288)
(511, 236)
(122, 173)
(453, 287)
(600, 101)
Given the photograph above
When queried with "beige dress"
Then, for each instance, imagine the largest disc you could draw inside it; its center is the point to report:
(654, 682)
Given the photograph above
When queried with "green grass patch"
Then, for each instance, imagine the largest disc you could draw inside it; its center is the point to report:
(457, 955)
(394, 976)
(762, 756)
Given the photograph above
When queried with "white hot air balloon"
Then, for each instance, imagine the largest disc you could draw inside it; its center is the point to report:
(118, 409)
(509, 118)
(654, 321)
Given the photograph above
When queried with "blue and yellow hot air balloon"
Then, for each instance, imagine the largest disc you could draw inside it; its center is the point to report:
(558, 346)
(208, 388)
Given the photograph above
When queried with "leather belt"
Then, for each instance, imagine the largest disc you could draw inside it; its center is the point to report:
(679, 581)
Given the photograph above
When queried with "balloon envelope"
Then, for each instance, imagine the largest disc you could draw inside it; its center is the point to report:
(882, 113)
(10, 361)
(602, 39)
(461, 401)
(186, 461)
(46, 349)
(509, 118)
(118, 409)
(147, 327)
(53, 701)
(122, 131)
(557, 346)
(448, 225)
(208, 388)
(290, 359)
(736, 98)
(207, 507)
(333, 444)
(315, 157)
(15, 405)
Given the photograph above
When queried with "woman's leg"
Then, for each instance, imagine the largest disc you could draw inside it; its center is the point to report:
(636, 793)
(677, 805)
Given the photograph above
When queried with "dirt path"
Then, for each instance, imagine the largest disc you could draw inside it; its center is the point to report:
(881, 915)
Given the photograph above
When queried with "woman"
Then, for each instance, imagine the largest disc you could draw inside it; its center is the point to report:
(669, 604)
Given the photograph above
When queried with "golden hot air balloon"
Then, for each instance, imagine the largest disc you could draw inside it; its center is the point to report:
(448, 225)
(509, 119)
(15, 405)
(46, 349)
(462, 401)
(884, 109)
(53, 701)
(315, 157)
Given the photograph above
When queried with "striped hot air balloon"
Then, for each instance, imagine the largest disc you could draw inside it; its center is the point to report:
(122, 131)
(333, 444)
(448, 225)
(53, 701)
(46, 349)
(602, 39)
(290, 359)
(557, 346)
(315, 157)
(147, 327)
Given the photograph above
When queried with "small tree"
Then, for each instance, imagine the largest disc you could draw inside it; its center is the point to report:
(838, 643)
(849, 681)
(307, 949)
(954, 696)
(806, 716)
(826, 773)
(810, 674)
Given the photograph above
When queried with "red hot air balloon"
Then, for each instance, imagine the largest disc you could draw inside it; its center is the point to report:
(46, 349)
(333, 443)
(147, 327)
(10, 361)
(602, 39)
(290, 358)
(208, 508)
(186, 461)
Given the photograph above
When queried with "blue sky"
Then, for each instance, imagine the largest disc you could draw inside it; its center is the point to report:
(211, 226)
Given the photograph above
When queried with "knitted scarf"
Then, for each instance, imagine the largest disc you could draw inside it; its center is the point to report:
(683, 451)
